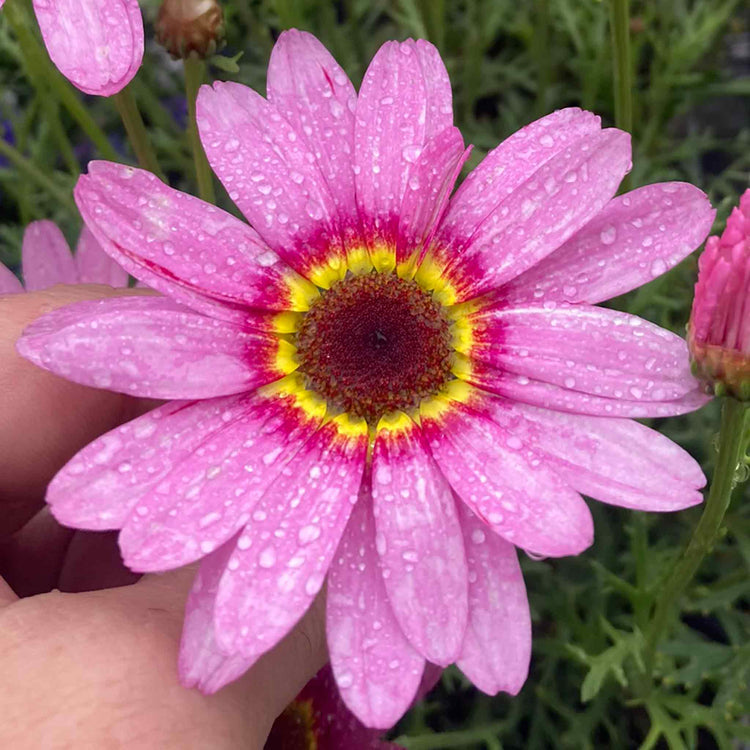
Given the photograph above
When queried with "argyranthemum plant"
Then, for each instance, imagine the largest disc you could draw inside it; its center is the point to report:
(380, 384)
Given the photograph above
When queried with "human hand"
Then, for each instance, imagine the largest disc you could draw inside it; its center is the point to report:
(89, 658)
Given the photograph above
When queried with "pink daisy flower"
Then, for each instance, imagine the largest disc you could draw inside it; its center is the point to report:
(719, 329)
(317, 719)
(46, 260)
(96, 44)
(381, 384)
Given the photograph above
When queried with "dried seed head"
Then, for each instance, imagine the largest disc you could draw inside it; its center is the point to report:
(190, 27)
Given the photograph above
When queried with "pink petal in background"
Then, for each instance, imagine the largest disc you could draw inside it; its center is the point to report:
(96, 44)
(46, 259)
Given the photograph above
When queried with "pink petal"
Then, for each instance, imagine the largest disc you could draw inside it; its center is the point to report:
(96, 44)
(541, 214)
(179, 245)
(270, 173)
(503, 479)
(431, 180)
(508, 166)
(497, 646)
(634, 239)
(420, 544)
(405, 99)
(315, 95)
(150, 347)
(100, 485)
(201, 663)
(617, 461)
(335, 727)
(524, 389)
(376, 668)
(586, 349)
(283, 555)
(94, 265)
(207, 499)
(9, 283)
(45, 257)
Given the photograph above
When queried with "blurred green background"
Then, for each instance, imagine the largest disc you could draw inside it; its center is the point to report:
(511, 62)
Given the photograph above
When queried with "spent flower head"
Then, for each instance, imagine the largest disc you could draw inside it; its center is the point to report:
(188, 28)
(719, 328)
(379, 383)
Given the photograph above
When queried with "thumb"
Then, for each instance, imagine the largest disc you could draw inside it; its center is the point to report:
(105, 662)
(277, 677)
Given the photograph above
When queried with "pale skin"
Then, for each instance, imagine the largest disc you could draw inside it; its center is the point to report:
(98, 668)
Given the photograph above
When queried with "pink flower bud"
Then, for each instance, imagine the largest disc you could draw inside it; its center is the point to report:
(190, 27)
(719, 328)
(96, 44)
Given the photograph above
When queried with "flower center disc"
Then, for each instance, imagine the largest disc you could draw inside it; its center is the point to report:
(374, 344)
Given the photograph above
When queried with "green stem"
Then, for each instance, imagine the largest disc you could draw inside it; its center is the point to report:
(48, 80)
(136, 130)
(36, 175)
(457, 739)
(194, 72)
(541, 50)
(623, 68)
(731, 448)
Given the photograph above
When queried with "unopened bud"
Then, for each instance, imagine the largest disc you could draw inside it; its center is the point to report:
(188, 28)
(719, 328)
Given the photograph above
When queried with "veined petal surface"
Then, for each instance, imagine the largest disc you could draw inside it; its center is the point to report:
(503, 480)
(150, 347)
(96, 44)
(617, 461)
(201, 663)
(201, 503)
(592, 350)
(507, 167)
(270, 173)
(179, 245)
(376, 668)
(405, 100)
(282, 556)
(316, 96)
(420, 543)
(632, 240)
(100, 485)
(497, 646)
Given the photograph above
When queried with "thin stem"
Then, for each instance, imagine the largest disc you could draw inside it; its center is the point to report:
(136, 130)
(36, 175)
(541, 50)
(623, 67)
(194, 72)
(48, 80)
(731, 447)
(457, 739)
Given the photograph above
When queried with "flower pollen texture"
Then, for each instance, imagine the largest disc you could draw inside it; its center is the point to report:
(373, 344)
(379, 383)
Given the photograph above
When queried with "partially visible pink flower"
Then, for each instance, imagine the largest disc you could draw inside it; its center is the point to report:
(719, 328)
(382, 383)
(96, 44)
(317, 719)
(46, 260)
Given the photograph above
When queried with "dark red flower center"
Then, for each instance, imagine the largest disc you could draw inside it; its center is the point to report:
(374, 344)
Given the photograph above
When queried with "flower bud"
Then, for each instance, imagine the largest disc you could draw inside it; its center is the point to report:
(190, 27)
(719, 328)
